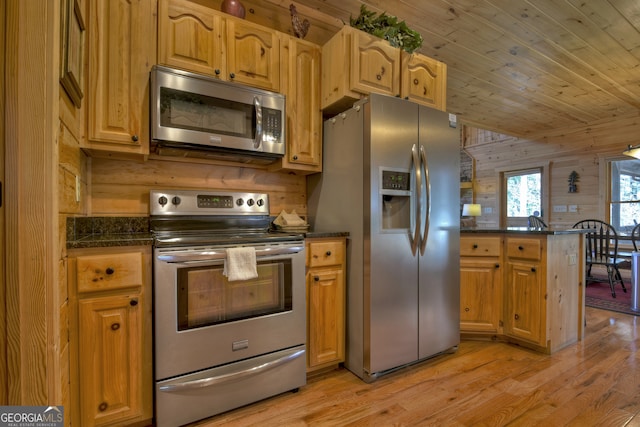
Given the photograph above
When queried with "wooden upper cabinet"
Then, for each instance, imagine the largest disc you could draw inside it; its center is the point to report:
(355, 64)
(375, 65)
(191, 37)
(424, 80)
(121, 46)
(203, 40)
(253, 55)
(300, 83)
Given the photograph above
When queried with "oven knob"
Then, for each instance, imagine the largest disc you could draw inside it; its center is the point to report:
(162, 200)
(250, 202)
(176, 200)
(260, 202)
(239, 202)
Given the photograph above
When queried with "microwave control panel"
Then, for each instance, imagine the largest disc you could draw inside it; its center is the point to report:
(271, 124)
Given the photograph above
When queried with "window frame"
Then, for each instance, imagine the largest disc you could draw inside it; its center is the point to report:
(607, 173)
(544, 168)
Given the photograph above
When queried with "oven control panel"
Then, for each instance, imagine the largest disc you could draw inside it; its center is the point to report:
(205, 202)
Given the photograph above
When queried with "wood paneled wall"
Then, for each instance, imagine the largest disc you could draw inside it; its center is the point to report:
(119, 187)
(582, 149)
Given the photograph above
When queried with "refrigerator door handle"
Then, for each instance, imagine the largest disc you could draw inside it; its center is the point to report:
(427, 193)
(414, 235)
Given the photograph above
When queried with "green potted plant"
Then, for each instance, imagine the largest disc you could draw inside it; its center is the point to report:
(387, 27)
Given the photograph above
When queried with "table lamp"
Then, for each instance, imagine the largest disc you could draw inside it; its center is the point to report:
(471, 209)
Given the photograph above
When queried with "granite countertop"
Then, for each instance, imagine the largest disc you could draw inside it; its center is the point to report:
(524, 230)
(96, 232)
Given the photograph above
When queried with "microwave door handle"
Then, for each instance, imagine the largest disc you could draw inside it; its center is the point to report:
(258, 108)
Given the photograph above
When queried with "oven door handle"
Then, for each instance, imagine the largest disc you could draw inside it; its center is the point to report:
(222, 254)
(232, 376)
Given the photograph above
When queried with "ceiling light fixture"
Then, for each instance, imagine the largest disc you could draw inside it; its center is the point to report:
(632, 151)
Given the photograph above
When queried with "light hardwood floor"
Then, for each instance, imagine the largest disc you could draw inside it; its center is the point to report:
(595, 382)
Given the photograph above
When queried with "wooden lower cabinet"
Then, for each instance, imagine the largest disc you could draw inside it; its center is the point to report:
(480, 293)
(536, 300)
(110, 336)
(326, 296)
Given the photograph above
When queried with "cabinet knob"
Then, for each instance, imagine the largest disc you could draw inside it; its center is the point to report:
(134, 138)
(533, 269)
(497, 265)
(103, 407)
(109, 271)
(133, 302)
(316, 278)
(520, 248)
(295, 157)
(217, 71)
(232, 75)
(475, 246)
(115, 326)
(328, 253)
(466, 309)
(516, 316)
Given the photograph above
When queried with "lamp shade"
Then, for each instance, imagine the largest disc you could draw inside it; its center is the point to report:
(471, 209)
(632, 151)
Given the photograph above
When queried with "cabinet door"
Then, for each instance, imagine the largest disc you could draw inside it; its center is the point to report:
(424, 80)
(110, 359)
(375, 65)
(480, 295)
(253, 55)
(325, 313)
(300, 82)
(122, 47)
(190, 37)
(526, 302)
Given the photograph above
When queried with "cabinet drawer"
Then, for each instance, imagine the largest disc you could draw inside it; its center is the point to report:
(113, 271)
(480, 246)
(325, 253)
(524, 248)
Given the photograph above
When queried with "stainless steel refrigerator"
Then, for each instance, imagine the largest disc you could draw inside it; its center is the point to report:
(391, 179)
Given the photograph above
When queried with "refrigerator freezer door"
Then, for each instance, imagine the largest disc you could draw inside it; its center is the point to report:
(391, 270)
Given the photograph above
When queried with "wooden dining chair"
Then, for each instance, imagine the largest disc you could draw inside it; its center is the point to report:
(536, 222)
(602, 249)
(635, 237)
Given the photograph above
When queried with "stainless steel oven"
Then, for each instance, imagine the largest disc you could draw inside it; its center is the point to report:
(220, 344)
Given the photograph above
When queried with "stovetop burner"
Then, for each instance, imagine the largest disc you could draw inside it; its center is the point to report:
(194, 217)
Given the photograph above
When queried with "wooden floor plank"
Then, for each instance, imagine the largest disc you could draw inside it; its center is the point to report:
(593, 382)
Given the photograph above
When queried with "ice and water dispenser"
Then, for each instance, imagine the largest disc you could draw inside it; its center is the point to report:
(396, 199)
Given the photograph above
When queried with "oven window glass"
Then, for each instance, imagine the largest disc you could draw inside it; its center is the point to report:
(206, 297)
(187, 110)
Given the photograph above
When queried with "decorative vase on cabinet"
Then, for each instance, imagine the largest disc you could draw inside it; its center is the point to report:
(233, 7)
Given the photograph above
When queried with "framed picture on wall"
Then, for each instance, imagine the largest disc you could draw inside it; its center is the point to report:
(72, 35)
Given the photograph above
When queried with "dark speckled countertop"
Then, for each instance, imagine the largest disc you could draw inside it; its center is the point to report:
(95, 232)
(524, 230)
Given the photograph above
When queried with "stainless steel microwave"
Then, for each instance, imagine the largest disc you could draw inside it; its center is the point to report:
(198, 116)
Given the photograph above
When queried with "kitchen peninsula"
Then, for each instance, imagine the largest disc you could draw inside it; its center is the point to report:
(522, 285)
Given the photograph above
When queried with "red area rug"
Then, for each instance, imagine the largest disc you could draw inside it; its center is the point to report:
(599, 296)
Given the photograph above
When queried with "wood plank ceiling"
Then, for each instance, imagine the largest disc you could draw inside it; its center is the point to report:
(519, 67)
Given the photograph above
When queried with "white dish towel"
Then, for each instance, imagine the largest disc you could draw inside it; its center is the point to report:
(240, 264)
